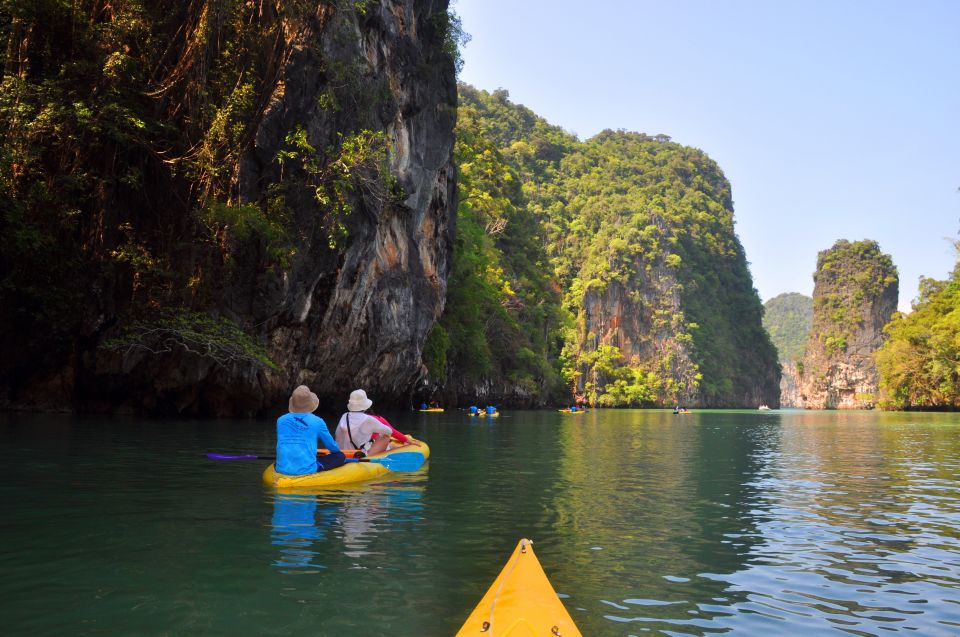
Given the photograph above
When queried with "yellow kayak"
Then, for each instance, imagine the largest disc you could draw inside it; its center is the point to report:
(344, 474)
(570, 411)
(434, 409)
(521, 602)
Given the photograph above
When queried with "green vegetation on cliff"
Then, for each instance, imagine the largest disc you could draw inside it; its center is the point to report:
(855, 294)
(124, 126)
(637, 234)
(649, 216)
(788, 318)
(607, 269)
(919, 364)
(502, 315)
(849, 276)
(130, 129)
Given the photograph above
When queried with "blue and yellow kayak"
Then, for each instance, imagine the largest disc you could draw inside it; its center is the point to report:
(521, 602)
(570, 411)
(344, 474)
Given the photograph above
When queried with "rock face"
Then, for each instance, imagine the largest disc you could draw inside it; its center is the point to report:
(359, 318)
(855, 294)
(790, 386)
(667, 310)
(645, 323)
(788, 319)
(355, 138)
(668, 313)
(638, 235)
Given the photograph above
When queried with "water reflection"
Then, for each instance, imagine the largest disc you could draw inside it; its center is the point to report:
(683, 493)
(296, 529)
(647, 523)
(752, 523)
(858, 528)
(366, 512)
(359, 518)
(313, 530)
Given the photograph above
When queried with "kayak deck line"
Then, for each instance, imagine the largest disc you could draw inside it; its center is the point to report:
(512, 564)
(521, 602)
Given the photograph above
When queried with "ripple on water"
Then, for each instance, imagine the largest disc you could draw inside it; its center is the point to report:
(722, 523)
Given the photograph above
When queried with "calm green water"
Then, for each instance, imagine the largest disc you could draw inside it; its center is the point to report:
(752, 523)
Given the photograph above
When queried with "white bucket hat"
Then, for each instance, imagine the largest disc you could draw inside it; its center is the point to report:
(303, 401)
(359, 401)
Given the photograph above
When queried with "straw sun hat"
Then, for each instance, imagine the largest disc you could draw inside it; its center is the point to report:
(303, 401)
(359, 401)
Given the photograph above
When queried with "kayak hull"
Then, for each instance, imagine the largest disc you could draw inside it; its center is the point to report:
(520, 602)
(344, 474)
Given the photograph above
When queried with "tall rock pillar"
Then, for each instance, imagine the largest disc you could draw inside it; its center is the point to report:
(855, 294)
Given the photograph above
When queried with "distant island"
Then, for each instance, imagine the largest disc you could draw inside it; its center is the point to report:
(788, 319)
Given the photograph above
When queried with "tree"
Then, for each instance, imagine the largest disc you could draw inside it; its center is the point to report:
(919, 365)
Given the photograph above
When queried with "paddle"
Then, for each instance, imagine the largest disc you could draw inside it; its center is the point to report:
(242, 456)
(400, 461)
(251, 456)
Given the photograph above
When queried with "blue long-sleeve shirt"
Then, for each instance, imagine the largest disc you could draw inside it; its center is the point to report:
(297, 437)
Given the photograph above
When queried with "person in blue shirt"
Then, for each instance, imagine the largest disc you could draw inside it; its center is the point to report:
(491, 409)
(298, 435)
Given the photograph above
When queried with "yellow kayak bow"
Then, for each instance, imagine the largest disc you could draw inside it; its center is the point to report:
(521, 602)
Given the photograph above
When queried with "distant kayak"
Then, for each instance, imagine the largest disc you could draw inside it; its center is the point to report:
(344, 474)
(521, 602)
(571, 411)
(433, 409)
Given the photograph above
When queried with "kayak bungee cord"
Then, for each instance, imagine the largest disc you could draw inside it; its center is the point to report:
(493, 605)
(487, 625)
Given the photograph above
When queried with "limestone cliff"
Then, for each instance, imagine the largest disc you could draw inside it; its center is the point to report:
(637, 234)
(284, 214)
(788, 319)
(643, 319)
(790, 385)
(855, 294)
(665, 305)
(359, 317)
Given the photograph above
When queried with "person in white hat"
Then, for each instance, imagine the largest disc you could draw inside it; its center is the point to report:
(298, 434)
(356, 429)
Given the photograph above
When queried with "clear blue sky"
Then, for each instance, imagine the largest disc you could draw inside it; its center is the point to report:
(832, 119)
